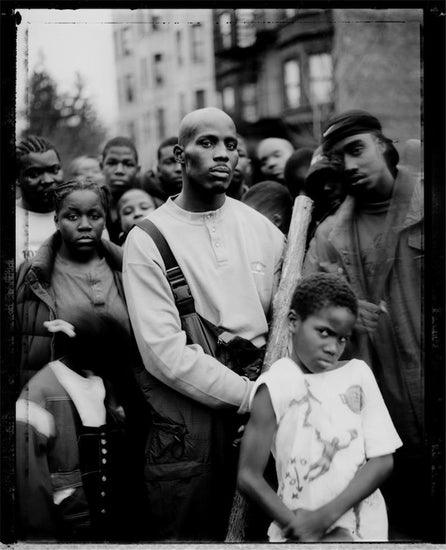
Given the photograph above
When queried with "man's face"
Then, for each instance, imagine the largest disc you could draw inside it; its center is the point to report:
(39, 173)
(169, 171)
(365, 168)
(273, 154)
(210, 155)
(244, 164)
(120, 169)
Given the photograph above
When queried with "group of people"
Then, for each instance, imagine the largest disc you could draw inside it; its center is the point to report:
(143, 309)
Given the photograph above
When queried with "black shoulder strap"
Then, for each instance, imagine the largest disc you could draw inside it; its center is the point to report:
(177, 281)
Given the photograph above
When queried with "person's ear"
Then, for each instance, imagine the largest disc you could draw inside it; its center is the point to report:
(178, 153)
(381, 146)
(293, 320)
(277, 219)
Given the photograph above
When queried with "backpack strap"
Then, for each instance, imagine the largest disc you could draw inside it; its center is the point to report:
(177, 281)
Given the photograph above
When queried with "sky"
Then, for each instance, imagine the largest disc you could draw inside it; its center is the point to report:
(67, 41)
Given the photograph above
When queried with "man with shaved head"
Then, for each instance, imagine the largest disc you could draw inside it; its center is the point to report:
(273, 154)
(230, 256)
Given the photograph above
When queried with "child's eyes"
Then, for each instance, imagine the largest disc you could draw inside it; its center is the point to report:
(231, 146)
(206, 143)
(72, 217)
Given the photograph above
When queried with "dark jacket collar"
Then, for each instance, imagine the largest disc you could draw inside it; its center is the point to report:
(43, 262)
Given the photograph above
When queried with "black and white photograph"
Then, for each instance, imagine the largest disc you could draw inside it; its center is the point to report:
(222, 246)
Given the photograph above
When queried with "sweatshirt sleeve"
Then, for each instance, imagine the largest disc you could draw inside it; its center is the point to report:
(160, 338)
(34, 429)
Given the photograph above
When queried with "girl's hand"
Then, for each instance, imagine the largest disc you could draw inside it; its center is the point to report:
(59, 325)
(308, 526)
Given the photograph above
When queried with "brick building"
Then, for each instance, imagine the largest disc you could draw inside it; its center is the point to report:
(165, 68)
(283, 72)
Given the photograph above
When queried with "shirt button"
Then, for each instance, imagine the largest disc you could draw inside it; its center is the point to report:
(104, 478)
(102, 434)
(217, 244)
(104, 451)
(103, 441)
(104, 461)
(102, 493)
(103, 511)
(213, 229)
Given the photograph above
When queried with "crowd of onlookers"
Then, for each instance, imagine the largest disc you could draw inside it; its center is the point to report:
(129, 422)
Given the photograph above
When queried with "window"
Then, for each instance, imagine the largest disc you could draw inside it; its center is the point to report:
(120, 91)
(228, 97)
(320, 78)
(146, 126)
(126, 37)
(129, 87)
(225, 30)
(249, 103)
(117, 42)
(161, 123)
(131, 130)
(199, 99)
(182, 105)
(158, 69)
(179, 47)
(292, 83)
(156, 20)
(144, 73)
(246, 31)
(197, 42)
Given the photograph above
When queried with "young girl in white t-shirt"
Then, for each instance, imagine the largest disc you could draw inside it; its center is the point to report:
(326, 424)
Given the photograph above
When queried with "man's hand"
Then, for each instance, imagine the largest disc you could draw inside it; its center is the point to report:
(308, 526)
(368, 316)
(59, 325)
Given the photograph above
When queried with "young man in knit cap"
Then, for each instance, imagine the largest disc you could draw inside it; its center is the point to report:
(375, 240)
(231, 257)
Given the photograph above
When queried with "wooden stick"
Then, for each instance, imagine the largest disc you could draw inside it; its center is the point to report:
(278, 336)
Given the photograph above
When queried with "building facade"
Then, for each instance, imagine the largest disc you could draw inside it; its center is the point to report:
(277, 72)
(284, 72)
(164, 68)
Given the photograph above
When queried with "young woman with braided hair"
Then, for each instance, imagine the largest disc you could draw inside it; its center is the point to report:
(75, 277)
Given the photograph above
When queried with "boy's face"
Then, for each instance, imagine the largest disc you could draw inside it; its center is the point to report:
(120, 168)
(273, 154)
(319, 340)
(169, 171)
(133, 205)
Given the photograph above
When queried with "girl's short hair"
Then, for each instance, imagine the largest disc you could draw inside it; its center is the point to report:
(81, 183)
(321, 290)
